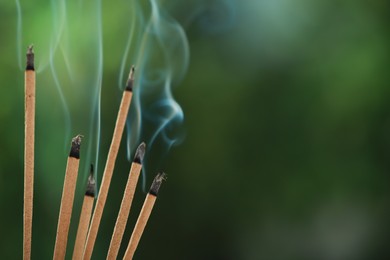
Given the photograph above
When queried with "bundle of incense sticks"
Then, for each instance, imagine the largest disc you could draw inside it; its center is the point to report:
(88, 223)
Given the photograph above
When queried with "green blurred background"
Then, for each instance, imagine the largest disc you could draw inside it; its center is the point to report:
(286, 124)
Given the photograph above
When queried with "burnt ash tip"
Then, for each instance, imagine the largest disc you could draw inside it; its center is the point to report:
(30, 58)
(91, 184)
(130, 81)
(75, 149)
(140, 153)
(161, 176)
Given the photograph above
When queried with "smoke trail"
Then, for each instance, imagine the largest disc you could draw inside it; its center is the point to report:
(19, 33)
(71, 53)
(162, 60)
(96, 106)
(68, 37)
(59, 21)
(212, 17)
(135, 20)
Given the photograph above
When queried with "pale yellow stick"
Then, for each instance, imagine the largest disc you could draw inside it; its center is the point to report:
(71, 173)
(109, 169)
(29, 137)
(143, 217)
(140, 226)
(127, 200)
(85, 217)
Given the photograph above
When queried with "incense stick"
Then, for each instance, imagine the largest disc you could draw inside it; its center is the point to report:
(29, 136)
(109, 168)
(127, 200)
(85, 217)
(144, 216)
(67, 199)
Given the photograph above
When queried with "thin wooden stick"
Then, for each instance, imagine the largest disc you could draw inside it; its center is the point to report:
(144, 216)
(127, 200)
(109, 169)
(85, 217)
(29, 136)
(72, 168)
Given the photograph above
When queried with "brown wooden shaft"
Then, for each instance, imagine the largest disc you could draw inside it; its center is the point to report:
(28, 161)
(107, 174)
(124, 211)
(82, 230)
(140, 226)
(66, 208)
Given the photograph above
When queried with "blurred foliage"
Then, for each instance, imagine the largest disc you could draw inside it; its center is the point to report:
(287, 126)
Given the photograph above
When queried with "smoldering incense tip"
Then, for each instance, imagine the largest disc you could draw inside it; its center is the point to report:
(91, 185)
(140, 153)
(75, 149)
(161, 176)
(130, 81)
(30, 58)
